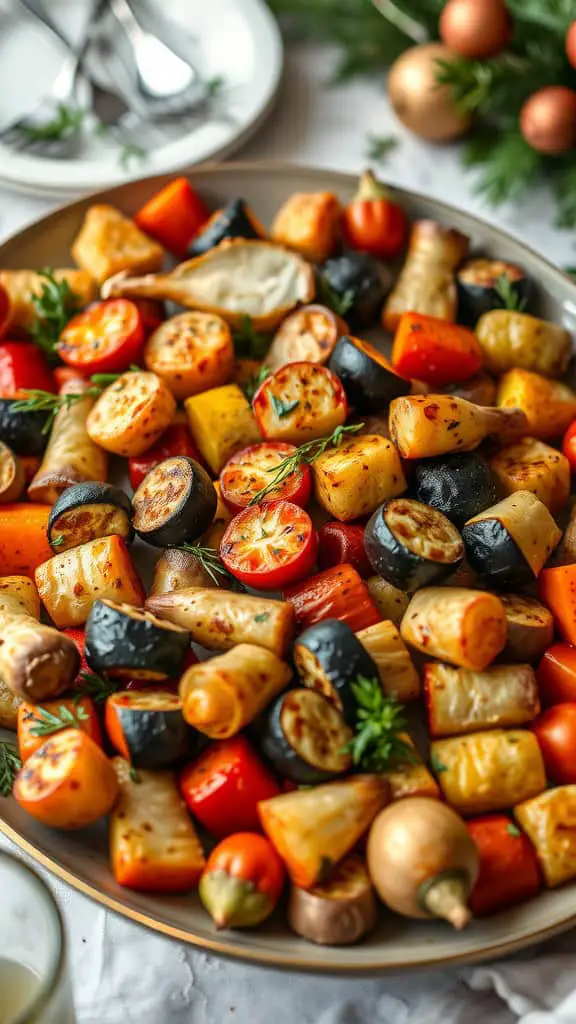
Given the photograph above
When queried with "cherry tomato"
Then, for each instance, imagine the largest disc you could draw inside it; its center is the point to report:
(270, 546)
(343, 542)
(556, 675)
(556, 734)
(373, 221)
(62, 374)
(175, 440)
(251, 469)
(152, 312)
(23, 367)
(106, 338)
(569, 445)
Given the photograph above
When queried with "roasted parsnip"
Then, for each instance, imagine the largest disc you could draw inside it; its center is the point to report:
(396, 669)
(466, 627)
(460, 700)
(425, 425)
(427, 281)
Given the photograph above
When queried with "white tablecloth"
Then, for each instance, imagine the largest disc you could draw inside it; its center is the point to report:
(123, 974)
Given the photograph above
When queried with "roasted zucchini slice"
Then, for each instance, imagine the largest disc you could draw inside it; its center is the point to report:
(129, 643)
(88, 511)
(369, 380)
(148, 728)
(175, 503)
(412, 545)
(509, 544)
(305, 737)
(328, 658)
(459, 486)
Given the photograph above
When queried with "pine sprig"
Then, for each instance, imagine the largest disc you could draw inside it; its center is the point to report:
(10, 765)
(65, 719)
(378, 743)
(509, 165)
(55, 306)
(306, 453)
(96, 687)
(209, 559)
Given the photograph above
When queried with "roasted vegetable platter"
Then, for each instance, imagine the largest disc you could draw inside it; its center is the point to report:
(287, 568)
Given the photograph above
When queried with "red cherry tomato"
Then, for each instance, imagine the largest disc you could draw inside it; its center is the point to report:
(152, 312)
(343, 542)
(106, 338)
(373, 221)
(175, 440)
(23, 367)
(269, 546)
(569, 445)
(62, 374)
(556, 675)
(251, 469)
(556, 734)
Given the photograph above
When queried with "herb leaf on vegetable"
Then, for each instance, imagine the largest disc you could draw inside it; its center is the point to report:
(282, 408)
(513, 830)
(10, 765)
(65, 719)
(248, 342)
(508, 297)
(254, 381)
(437, 765)
(209, 560)
(339, 304)
(54, 306)
(96, 687)
(378, 744)
(306, 453)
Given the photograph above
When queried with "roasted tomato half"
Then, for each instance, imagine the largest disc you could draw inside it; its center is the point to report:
(254, 468)
(270, 546)
(106, 338)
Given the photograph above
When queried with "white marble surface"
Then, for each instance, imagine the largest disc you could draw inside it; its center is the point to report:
(123, 974)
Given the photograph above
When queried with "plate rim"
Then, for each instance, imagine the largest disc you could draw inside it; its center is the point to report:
(227, 947)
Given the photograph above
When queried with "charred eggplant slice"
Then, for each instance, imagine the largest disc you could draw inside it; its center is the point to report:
(175, 503)
(354, 285)
(304, 738)
(25, 432)
(234, 221)
(88, 511)
(328, 658)
(460, 486)
(509, 543)
(478, 290)
(148, 728)
(368, 378)
(130, 643)
(412, 545)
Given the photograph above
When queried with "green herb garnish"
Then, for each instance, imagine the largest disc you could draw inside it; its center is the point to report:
(248, 342)
(209, 559)
(131, 153)
(508, 297)
(379, 146)
(65, 123)
(96, 687)
(339, 304)
(254, 381)
(513, 830)
(54, 306)
(58, 541)
(45, 401)
(262, 617)
(134, 775)
(378, 744)
(65, 719)
(305, 454)
(282, 408)
(437, 765)
(10, 765)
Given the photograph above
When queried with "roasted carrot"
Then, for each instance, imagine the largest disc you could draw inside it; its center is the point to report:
(337, 593)
(433, 350)
(38, 721)
(558, 591)
(23, 540)
(509, 870)
(173, 216)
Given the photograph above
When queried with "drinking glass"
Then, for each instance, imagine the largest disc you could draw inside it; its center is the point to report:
(34, 982)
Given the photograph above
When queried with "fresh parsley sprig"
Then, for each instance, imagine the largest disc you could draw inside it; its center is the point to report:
(305, 454)
(65, 719)
(10, 765)
(378, 744)
(55, 305)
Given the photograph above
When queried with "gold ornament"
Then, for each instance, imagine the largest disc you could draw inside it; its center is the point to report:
(476, 29)
(422, 105)
(548, 119)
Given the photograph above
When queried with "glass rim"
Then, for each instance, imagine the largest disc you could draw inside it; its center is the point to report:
(54, 974)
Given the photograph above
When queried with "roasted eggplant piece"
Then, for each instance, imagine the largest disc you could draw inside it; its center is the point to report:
(530, 628)
(412, 545)
(305, 737)
(481, 281)
(129, 643)
(459, 485)
(338, 912)
(355, 283)
(12, 475)
(235, 220)
(369, 380)
(329, 658)
(175, 503)
(88, 511)
(509, 544)
(460, 701)
(25, 432)
(148, 728)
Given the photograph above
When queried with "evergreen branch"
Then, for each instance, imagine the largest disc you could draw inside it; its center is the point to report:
(65, 719)
(306, 453)
(555, 15)
(209, 559)
(510, 165)
(378, 147)
(54, 306)
(10, 765)
(564, 188)
(509, 298)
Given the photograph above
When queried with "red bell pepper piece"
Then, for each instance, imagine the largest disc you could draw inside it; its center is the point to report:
(23, 367)
(176, 440)
(173, 216)
(373, 221)
(337, 593)
(223, 786)
(343, 542)
(432, 350)
(78, 636)
(556, 675)
(557, 589)
(509, 871)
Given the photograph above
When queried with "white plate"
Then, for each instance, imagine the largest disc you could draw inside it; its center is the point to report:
(235, 39)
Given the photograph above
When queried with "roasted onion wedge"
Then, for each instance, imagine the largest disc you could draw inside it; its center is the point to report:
(238, 278)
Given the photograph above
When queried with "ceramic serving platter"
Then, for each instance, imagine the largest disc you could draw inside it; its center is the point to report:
(81, 858)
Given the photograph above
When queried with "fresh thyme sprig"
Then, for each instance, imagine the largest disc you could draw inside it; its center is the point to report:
(55, 306)
(209, 560)
(65, 719)
(248, 342)
(378, 744)
(509, 298)
(45, 401)
(96, 687)
(305, 454)
(10, 765)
